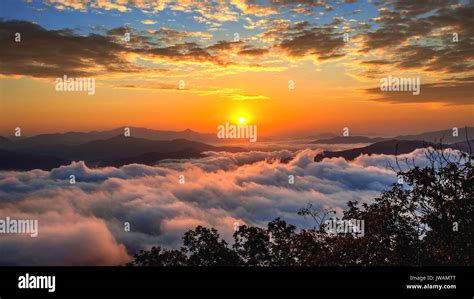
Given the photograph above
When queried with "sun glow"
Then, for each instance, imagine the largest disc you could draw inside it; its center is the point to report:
(241, 120)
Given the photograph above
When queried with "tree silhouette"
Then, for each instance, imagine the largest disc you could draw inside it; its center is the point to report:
(158, 256)
(252, 246)
(205, 249)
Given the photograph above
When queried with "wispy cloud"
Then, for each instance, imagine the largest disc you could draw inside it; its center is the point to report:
(230, 93)
(148, 22)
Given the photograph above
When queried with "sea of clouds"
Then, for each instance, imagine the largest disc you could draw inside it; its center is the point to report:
(83, 224)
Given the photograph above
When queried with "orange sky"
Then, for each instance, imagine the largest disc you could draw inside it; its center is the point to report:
(39, 108)
(336, 83)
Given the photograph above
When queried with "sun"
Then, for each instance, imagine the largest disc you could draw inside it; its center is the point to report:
(241, 120)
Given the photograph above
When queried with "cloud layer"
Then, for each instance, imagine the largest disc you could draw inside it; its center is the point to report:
(83, 224)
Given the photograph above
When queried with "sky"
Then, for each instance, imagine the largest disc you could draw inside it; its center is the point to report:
(235, 59)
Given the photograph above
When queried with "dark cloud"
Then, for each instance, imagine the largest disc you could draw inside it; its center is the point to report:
(455, 57)
(461, 79)
(459, 17)
(300, 25)
(224, 45)
(414, 40)
(394, 31)
(413, 8)
(168, 35)
(377, 62)
(119, 30)
(53, 53)
(404, 34)
(251, 51)
(290, 3)
(187, 50)
(322, 42)
(449, 94)
(396, 26)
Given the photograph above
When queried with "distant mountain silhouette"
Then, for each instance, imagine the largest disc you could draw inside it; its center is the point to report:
(124, 147)
(4, 142)
(390, 147)
(10, 160)
(52, 150)
(117, 151)
(348, 140)
(444, 136)
(76, 138)
(121, 147)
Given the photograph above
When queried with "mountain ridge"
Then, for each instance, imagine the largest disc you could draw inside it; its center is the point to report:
(444, 136)
(115, 151)
(391, 147)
